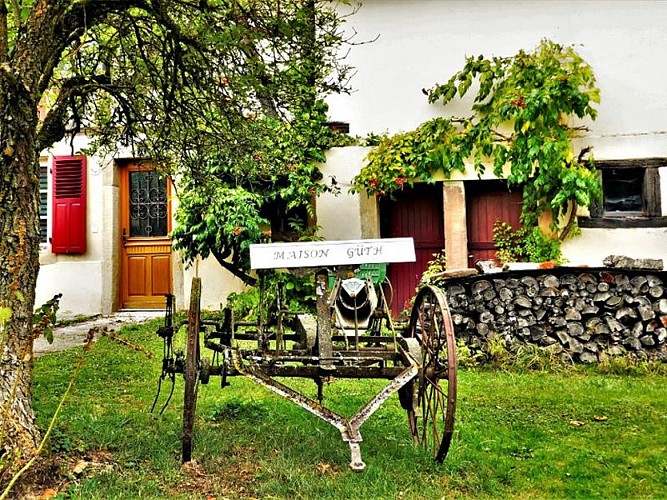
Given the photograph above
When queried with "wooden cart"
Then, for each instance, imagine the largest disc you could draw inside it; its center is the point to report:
(351, 336)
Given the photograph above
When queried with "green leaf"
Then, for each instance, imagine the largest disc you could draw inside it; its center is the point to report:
(5, 315)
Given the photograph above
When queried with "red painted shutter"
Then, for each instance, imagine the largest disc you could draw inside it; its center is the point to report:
(69, 205)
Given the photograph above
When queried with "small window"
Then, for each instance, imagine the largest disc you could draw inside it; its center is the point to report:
(288, 224)
(622, 190)
(630, 194)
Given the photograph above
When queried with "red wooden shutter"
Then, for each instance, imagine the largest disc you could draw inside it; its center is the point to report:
(68, 233)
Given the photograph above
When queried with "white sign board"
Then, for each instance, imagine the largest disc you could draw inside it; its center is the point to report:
(331, 253)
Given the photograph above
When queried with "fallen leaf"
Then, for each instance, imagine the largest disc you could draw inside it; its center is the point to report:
(577, 423)
(323, 468)
(48, 493)
(80, 466)
(327, 468)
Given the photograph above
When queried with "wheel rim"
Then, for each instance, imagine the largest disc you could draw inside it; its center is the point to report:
(430, 323)
(191, 371)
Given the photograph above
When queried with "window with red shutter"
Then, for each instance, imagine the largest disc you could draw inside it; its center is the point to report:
(68, 234)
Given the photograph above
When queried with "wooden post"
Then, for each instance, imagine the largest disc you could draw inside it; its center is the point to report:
(323, 342)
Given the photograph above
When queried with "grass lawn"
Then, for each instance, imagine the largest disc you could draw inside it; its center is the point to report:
(575, 434)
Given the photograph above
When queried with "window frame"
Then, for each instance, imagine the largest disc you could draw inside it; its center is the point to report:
(651, 215)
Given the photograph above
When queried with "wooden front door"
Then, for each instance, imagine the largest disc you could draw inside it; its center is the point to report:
(416, 212)
(145, 243)
(486, 203)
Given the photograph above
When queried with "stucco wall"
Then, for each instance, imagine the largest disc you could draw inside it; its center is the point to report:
(82, 279)
(422, 42)
(593, 245)
(216, 284)
(340, 215)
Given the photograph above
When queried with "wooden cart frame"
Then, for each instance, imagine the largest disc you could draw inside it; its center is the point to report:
(418, 360)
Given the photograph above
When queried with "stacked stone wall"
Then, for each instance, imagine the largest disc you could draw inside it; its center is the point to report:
(579, 313)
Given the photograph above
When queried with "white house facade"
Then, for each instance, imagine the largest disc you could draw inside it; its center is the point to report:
(412, 44)
(417, 43)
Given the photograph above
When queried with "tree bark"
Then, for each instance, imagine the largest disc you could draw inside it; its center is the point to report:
(19, 265)
(25, 73)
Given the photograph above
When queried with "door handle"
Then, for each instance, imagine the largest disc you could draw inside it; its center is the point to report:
(124, 237)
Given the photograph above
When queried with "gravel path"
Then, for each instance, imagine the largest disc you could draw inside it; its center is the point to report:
(65, 337)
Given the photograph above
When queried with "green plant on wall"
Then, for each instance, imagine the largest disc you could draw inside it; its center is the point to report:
(525, 244)
(520, 127)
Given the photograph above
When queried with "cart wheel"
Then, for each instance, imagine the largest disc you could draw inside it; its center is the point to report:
(192, 370)
(431, 324)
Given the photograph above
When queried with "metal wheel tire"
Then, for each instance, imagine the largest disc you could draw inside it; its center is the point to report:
(430, 322)
(191, 372)
(390, 301)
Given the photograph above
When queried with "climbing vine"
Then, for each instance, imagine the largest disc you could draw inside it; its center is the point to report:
(520, 126)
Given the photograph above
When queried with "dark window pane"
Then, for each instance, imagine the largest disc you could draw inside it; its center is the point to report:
(148, 204)
(622, 188)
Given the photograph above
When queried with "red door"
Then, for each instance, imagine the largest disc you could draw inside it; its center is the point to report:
(486, 203)
(416, 212)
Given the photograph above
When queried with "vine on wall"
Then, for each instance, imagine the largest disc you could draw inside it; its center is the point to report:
(520, 126)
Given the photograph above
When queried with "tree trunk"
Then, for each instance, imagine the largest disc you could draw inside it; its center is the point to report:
(19, 265)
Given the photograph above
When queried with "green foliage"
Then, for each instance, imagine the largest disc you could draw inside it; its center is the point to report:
(298, 294)
(467, 357)
(406, 157)
(245, 304)
(533, 357)
(246, 191)
(526, 244)
(520, 125)
(44, 318)
(228, 100)
(5, 315)
(436, 266)
(629, 364)
(497, 352)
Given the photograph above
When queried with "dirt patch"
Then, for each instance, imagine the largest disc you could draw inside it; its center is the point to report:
(51, 475)
(222, 482)
(69, 336)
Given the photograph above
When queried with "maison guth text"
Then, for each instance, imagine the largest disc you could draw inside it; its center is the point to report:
(354, 252)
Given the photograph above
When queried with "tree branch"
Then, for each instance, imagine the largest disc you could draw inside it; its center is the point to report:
(246, 278)
(53, 128)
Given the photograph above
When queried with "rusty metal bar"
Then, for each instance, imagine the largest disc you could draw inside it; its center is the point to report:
(340, 356)
(364, 413)
(313, 372)
(349, 428)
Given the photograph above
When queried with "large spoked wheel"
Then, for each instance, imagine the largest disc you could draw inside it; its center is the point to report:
(191, 371)
(431, 325)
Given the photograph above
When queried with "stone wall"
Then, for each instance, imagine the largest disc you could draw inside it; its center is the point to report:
(581, 314)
